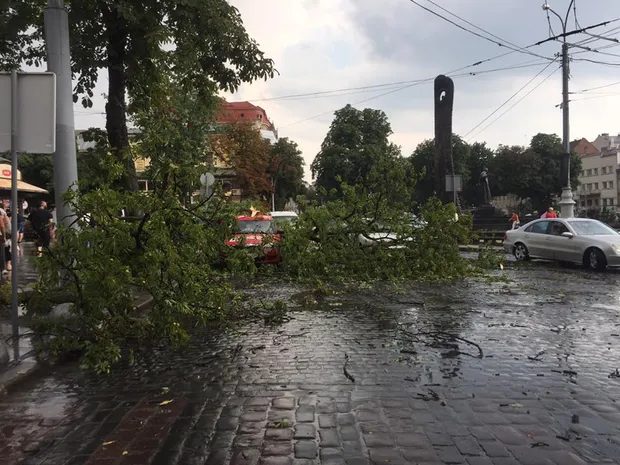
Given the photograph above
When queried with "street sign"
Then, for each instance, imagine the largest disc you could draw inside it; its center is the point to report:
(36, 112)
(206, 184)
(454, 183)
(207, 179)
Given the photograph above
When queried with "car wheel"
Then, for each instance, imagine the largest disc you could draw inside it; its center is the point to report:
(520, 252)
(595, 260)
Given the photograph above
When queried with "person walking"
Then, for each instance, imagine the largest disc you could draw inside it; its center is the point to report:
(6, 235)
(41, 219)
(515, 221)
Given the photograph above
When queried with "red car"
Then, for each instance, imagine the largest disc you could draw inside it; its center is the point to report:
(258, 231)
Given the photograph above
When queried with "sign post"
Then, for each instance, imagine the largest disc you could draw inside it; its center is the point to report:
(30, 127)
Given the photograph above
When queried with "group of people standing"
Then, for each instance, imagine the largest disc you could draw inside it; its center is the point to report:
(516, 222)
(43, 225)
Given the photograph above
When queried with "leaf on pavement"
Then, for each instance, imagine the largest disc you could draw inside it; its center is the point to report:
(107, 443)
(165, 402)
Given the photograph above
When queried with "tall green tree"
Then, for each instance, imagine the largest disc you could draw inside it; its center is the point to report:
(533, 172)
(202, 42)
(357, 141)
(286, 171)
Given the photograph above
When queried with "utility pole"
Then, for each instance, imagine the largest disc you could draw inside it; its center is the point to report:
(567, 204)
(59, 62)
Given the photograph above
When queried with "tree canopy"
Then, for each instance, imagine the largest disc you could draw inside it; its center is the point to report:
(356, 142)
(532, 172)
(528, 172)
(286, 170)
(243, 147)
(203, 43)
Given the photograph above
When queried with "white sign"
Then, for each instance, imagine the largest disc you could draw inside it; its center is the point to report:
(36, 127)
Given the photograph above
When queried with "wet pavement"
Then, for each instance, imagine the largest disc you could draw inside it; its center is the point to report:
(473, 373)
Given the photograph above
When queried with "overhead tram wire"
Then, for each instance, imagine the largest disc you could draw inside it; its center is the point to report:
(583, 91)
(418, 82)
(495, 40)
(515, 104)
(506, 102)
(397, 83)
(459, 69)
(388, 86)
(578, 26)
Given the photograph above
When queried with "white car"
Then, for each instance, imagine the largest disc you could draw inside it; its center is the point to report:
(582, 241)
(381, 234)
(284, 216)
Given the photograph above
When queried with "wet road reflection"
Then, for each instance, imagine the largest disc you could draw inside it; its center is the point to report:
(549, 340)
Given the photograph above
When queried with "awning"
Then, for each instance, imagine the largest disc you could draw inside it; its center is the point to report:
(5, 184)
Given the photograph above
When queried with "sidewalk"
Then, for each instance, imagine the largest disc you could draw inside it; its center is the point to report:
(468, 373)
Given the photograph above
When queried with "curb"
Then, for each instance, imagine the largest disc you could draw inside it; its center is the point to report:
(18, 373)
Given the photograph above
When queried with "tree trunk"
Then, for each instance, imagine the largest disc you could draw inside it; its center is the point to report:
(116, 107)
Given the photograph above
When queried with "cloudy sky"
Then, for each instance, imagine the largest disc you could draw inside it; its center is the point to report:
(326, 45)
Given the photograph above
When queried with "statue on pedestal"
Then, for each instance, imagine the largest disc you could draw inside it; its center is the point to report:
(484, 182)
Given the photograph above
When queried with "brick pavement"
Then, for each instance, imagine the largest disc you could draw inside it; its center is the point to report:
(540, 395)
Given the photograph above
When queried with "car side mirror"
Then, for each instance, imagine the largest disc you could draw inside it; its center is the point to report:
(568, 234)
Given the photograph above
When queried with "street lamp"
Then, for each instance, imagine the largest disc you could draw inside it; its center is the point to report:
(567, 204)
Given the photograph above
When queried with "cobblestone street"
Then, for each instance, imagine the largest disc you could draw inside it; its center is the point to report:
(357, 379)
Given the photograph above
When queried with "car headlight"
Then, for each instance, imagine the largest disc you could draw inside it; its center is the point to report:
(616, 248)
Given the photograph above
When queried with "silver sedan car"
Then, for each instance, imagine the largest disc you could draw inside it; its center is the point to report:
(575, 240)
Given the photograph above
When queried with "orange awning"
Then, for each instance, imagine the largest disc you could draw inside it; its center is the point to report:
(5, 184)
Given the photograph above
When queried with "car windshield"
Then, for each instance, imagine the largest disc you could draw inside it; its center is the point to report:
(592, 228)
(255, 227)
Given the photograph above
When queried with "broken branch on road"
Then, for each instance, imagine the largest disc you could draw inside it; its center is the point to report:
(536, 358)
(442, 338)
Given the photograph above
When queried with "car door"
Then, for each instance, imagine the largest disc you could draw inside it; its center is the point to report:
(535, 236)
(564, 248)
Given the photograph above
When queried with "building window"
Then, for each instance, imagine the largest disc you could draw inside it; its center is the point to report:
(596, 202)
(589, 186)
(143, 185)
(611, 201)
(589, 173)
(583, 203)
(604, 202)
(242, 115)
(589, 202)
(595, 171)
(610, 184)
(596, 186)
(603, 170)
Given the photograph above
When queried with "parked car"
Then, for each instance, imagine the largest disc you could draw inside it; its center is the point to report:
(284, 217)
(260, 233)
(583, 241)
(381, 233)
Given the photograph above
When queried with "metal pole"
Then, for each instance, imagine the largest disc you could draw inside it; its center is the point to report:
(567, 203)
(14, 209)
(59, 62)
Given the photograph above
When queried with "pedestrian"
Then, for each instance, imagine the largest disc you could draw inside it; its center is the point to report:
(41, 219)
(6, 234)
(515, 221)
(54, 223)
(550, 213)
